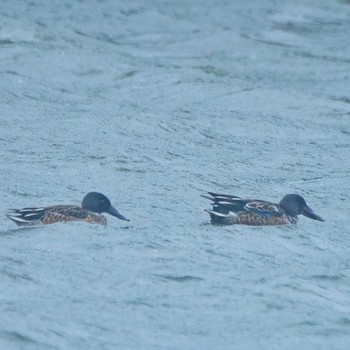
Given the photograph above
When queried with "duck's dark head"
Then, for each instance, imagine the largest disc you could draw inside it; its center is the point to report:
(99, 203)
(294, 205)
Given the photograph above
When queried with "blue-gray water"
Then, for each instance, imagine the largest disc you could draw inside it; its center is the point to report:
(154, 103)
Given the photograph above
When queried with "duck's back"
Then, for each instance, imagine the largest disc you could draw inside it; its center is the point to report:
(53, 214)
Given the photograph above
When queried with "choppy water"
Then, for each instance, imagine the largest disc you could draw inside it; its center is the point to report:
(154, 103)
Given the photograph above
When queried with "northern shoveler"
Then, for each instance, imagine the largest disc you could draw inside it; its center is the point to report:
(92, 206)
(229, 210)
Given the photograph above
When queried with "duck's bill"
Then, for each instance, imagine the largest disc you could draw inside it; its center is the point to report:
(115, 212)
(308, 212)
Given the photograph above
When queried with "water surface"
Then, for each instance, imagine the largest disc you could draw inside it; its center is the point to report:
(153, 104)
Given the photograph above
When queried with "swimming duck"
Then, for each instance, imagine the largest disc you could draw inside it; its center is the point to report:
(229, 210)
(92, 206)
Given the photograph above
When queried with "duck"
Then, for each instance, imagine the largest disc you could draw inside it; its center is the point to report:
(90, 211)
(230, 210)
